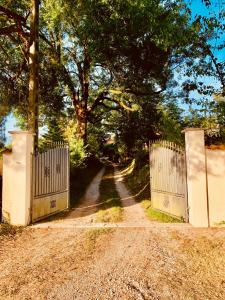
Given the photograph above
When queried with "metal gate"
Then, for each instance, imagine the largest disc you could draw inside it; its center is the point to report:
(50, 180)
(168, 178)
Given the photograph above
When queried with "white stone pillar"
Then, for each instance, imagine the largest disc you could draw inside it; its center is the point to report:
(17, 179)
(196, 177)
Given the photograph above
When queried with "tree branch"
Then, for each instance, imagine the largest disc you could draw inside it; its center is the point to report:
(12, 15)
(109, 107)
(141, 94)
(219, 72)
(8, 30)
(99, 98)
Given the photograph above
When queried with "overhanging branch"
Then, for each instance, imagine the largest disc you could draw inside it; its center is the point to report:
(12, 15)
(110, 107)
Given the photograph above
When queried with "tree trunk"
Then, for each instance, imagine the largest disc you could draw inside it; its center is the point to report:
(82, 107)
(81, 116)
(33, 72)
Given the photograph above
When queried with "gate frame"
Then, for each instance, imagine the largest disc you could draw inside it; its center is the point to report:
(170, 145)
(53, 194)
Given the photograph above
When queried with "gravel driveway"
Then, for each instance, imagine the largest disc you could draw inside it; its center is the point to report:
(158, 262)
(122, 263)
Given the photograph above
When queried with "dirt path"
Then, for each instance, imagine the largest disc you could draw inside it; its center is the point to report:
(133, 213)
(84, 213)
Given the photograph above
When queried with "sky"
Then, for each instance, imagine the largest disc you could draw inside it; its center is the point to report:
(197, 7)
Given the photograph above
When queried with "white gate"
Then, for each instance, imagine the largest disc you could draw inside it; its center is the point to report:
(50, 181)
(168, 178)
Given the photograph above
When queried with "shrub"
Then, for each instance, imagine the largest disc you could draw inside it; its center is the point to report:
(77, 149)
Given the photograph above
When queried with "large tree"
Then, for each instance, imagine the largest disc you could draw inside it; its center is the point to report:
(103, 55)
(109, 53)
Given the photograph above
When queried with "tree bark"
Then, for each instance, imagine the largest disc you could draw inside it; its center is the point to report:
(33, 72)
(81, 115)
(82, 104)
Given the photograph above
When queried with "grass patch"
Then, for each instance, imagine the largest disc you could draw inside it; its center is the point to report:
(92, 237)
(155, 215)
(9, 230)
(80, 178)
(146, 204)
(110, 209)
(221, 223)
(161, 217)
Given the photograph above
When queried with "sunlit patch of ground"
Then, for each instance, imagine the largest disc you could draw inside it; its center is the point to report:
(110, 209)
(123, 263)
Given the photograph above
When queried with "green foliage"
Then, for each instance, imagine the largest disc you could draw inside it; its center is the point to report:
(52, 12)
(130, 33)
(154, 119)
(210, 116)
(111, 151)
(77, 152)
(62, 128)
(77, 149)
(125, 51)
(134, 128)
(129, 53)
(12, 60)
(171, 123)
(222, 223)
(123, 151)
(55, 129)
(96, 139)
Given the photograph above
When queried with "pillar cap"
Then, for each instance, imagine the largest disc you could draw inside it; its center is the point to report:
(21, 132)
(192, 129)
